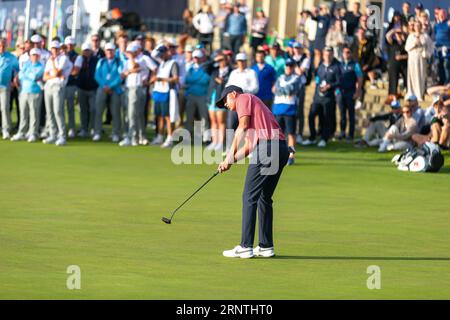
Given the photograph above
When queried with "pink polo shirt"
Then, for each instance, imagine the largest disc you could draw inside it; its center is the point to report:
(263, 125)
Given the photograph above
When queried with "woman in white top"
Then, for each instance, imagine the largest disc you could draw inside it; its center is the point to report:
(204, 23)
(419, 47)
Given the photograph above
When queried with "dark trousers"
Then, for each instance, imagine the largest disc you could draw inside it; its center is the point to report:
(300, 110)
(235, 43)
(14, 98)
(258, 191)
(444, 70)
(394, 71)
(323, 108)
(346, 105)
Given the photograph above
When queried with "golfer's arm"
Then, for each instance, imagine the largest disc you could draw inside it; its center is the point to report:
(236, 154)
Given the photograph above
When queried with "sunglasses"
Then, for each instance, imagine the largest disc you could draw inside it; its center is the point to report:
(406, 112)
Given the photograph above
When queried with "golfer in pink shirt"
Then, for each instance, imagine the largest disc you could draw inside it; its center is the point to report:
(263, 137)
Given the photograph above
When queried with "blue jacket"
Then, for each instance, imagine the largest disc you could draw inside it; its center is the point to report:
(266, 78)
(331, 75)
(9, 65)
(197, 81)
(103, 69)
(29, 76)
(236, 25)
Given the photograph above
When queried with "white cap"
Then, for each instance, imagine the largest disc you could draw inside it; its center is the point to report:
(69, 41)
(132, 48)
(189, 48)
(137, 45)
(110, 46)
(55, 44)
(36, 38)
(198, 54)
(35, 51)
(241, 57)
(172, 42)
(85, 46)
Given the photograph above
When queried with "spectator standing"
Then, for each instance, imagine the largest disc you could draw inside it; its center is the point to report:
(30, 77)
(267, 77)
(285, 104)
(204, 23)
(323, 25)
(71, 87)
(189, 30)
(351, 19)
(442, 37)
(419, 47)
(260, 26)
(406, 12)
(56, 75)
(235, 30)
(217, 82)
(244, 78)
(97, 52)
(337, 39)
(276, 59)
(397, 59)
(328, 78)
(107, 75)
(197, 83)
(8, 66)
(84, 69)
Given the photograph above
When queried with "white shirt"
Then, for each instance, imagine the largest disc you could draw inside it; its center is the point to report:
(78, 61)
(63, 63)
(204, 23)
(149, 65)
(136, 79)
(247, 80)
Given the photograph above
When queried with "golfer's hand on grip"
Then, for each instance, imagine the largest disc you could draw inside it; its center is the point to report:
(224, 166)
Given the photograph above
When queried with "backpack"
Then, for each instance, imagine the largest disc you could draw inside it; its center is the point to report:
(427, 158)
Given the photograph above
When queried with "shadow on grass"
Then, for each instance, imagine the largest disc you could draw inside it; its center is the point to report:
(361, 258)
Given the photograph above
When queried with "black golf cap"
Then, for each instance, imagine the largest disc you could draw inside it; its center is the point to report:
(221, 102)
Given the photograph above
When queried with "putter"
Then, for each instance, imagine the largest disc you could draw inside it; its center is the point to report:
(169, 221)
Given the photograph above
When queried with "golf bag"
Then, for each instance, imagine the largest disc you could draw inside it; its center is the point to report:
(427, 158)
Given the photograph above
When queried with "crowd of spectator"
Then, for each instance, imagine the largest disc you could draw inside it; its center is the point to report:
(178, 80)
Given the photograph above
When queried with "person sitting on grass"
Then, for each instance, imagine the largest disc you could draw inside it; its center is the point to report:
(439, 127)
(284, 107)
(376, 126)
(398, 137)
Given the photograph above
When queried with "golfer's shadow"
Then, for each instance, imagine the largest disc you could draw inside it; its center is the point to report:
(361, 258)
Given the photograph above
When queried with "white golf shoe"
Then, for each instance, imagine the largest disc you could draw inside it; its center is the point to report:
(6, 135)
(49, 140)
(18, 137)
(32, 138)
(96, 138)
(263, 252)
(157, 140)
(125, 142)
(239, 252)
(115, 138)
(71, 134)
(168, 143)
(61, 142)
(322, 144)
(307, 142)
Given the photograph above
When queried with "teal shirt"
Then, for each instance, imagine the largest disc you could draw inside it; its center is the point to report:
(107, 73)
(9, 65)
(29, 76)
(279, 63)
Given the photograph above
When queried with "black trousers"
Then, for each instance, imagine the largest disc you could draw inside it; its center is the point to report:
(346, 105)
(324, 108)
(260, 184)
(394, 71)
(300, 111)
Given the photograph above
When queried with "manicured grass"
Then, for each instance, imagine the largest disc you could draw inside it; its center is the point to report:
(98, 206)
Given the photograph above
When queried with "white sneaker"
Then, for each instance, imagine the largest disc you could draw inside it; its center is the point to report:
(96, 138)
(263, 252)
(143, 142)
(390, 147)
(49, 140)
(134, 143)
(157, 140)
(218, 147)
(18, 137)
(299, 139)
(32, 138)
(82, 134)
(115, 138)
(383, 146)
(239, 252)
(307, 142)
(211, 146)
(6, 135)
(168, 143)
(61, 142)
(71, 134)
(43, 135)
(125, 142)
(322, 144)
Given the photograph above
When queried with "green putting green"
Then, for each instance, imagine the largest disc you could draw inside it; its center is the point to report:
(337, 212)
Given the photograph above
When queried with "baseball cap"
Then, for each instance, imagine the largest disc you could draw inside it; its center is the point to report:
(228, 52)
(411, 98)
(197, 54)
(35, 51)
(36, 38)
(55, 44)
(328, 48)
(172, 42)
(110, 46)
(276, 45)
(241, 57)
(221, 102)
(291, 43)
(297, 45)
(132, 48)
(69, 40)
(419, 6)
(85, 46)
(189, 48)
(436, 98)
(289, 62)
(395, 104)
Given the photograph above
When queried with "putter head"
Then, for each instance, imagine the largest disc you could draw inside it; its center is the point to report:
(166, 220)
